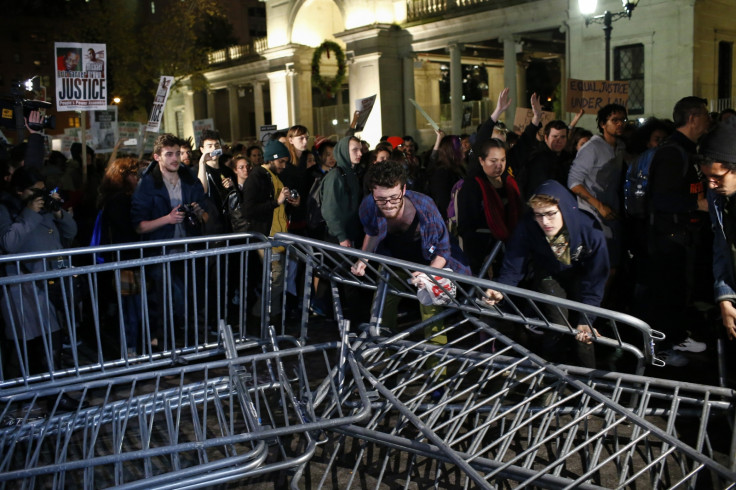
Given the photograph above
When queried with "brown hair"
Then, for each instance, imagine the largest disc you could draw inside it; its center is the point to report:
(116, 180)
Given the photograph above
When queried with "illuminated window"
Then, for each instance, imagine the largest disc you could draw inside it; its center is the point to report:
(628, 64)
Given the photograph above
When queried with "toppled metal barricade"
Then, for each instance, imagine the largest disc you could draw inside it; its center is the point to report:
(186, 426)
(463, 404)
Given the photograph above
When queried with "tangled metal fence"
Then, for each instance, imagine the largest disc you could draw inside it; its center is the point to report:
(452, 401)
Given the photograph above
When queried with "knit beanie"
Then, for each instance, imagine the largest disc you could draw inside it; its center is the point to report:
(720, 144)
(274, 150)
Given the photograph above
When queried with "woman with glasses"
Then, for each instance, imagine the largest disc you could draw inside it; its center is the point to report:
(488, 204)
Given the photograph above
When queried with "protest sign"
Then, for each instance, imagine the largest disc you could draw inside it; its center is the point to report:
(364, 107)
(200, 125)
(159, 102)
(130, 133)
(593, 95)
(80, 77)
(524, 116)
(265, 133)
(104, 129)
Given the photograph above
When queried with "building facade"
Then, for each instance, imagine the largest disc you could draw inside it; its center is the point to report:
(453, 57)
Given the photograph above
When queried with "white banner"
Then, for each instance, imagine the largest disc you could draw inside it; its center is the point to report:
(157, 113)
(104, 129)
(80, 76)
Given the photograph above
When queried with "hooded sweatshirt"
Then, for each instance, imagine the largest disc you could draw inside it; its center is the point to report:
(341, 197)
(588, 252)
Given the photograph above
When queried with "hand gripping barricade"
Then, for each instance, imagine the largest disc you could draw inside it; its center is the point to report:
(481, 410)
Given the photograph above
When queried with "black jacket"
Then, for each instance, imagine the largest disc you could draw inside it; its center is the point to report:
(259, 201)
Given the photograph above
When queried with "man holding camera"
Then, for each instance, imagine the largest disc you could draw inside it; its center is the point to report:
(31, 220)
(218, 181)
(264, 200)
(167, 195)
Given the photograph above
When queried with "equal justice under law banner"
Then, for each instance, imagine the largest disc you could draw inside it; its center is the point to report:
(593, 95)
(81, 83)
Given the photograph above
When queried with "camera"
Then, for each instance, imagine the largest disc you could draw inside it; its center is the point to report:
(294, 194)
(216, 153)
(190, 217)
(15, 107)
(49, 203)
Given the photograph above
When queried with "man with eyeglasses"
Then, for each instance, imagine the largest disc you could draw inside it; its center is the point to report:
(719, 166)
(677, 223)
(596, 177)
(405, 225)
(570, 260)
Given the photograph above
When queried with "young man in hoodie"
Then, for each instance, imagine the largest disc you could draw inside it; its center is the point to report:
(570, 259)
(341, 195)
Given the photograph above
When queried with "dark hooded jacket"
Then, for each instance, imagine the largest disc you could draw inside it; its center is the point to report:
(341, 197)
(588, 252)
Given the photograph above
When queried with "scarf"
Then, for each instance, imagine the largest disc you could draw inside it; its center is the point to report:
(501, 226)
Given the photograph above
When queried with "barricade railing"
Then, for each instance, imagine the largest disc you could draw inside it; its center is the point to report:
(85, 312)
(521, 307)
(483, 411)
(184, 426)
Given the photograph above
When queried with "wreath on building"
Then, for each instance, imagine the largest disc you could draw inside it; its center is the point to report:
(329, 87)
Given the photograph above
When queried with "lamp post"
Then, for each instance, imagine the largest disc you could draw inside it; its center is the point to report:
(587, 7)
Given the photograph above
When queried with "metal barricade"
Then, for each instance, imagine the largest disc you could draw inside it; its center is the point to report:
(522, 307)
(173, 291)
(185, 426)
(457, 403)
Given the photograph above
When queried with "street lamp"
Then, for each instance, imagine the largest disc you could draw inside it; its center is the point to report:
(587, 7)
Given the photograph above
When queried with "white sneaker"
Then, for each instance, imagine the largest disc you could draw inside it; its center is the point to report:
(690, 345)
(672, 358)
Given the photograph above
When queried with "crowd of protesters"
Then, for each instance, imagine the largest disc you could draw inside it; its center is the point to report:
(553, 195)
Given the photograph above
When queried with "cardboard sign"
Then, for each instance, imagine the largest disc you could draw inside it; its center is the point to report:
(80, 77)
(104, 129)
(265, 133)
(364, 107)
(593, 95)
(524, 116)
(159, 102)
(198, 126)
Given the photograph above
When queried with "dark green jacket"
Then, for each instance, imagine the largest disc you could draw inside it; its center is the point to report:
(341, 198)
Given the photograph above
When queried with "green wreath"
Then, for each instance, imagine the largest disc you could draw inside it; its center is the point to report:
(328, 87)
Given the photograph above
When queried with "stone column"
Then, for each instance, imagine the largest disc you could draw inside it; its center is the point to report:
(232, 102)
(509, 78)
(292, 80)
(279, 99)
(211, 105)
(456, 86)
(258, 105)
(189, 115)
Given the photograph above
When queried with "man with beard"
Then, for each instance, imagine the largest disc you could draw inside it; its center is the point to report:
(596, 177)
(405, 225)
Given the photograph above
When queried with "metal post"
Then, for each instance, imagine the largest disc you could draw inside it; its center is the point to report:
(607, 28)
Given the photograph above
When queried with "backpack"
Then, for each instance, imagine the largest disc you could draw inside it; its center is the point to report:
(314, 201)
(452, 226)
(636, 185)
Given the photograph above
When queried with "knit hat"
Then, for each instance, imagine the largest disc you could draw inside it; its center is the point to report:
(395, 141)
(274, 150)
(720, 144)
(24, 178)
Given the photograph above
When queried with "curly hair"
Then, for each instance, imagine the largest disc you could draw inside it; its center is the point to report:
(388, 173)
(165, 140)
(116, 180)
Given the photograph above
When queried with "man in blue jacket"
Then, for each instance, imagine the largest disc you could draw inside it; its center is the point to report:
(568, 250)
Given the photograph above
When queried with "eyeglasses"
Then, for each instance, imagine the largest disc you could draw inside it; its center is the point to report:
(388, 200)
(718, 178)
(548, 215)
